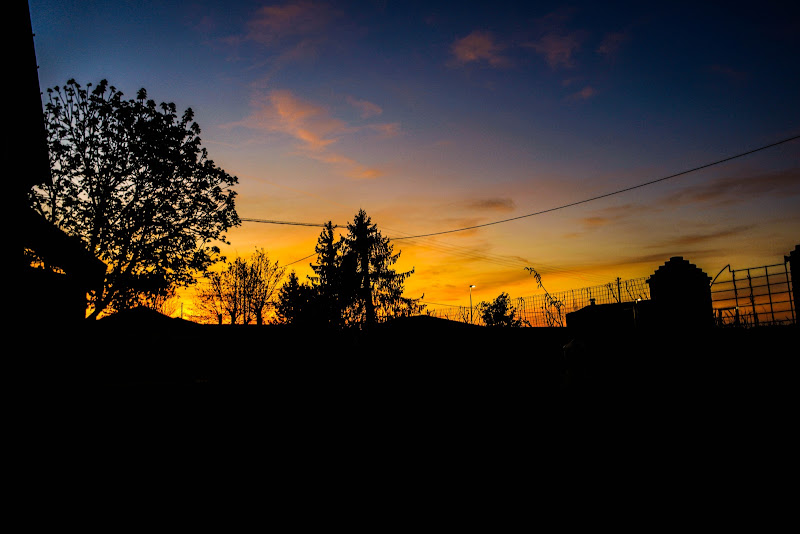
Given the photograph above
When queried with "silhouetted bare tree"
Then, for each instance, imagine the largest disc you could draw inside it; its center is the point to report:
(208, 301)
(263, 279)
(244, 291)
(165, 304)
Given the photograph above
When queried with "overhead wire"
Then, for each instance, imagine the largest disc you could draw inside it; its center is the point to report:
(503, 260)
(605, 195)
(467, 253)
(291, 223)
(301, 259)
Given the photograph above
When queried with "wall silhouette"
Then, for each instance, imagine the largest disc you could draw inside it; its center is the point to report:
(70, 271)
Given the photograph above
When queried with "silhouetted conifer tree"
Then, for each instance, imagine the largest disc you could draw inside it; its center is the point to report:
(295, 303)
(330, 280)
(378, 289)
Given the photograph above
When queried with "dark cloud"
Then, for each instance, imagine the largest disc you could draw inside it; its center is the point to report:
(479, 46)
(558, 49)
(611, 44)
(656, 259)
(739, 189)
(729, 73)
(493, 204)
(698, 238)
(613, 214)
(584, 94)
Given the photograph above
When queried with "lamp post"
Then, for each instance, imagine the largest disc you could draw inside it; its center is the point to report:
(470, 303)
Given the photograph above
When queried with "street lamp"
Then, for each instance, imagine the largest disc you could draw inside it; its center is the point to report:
(470, 303)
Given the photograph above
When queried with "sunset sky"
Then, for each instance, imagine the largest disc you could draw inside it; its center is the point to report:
(435, 116)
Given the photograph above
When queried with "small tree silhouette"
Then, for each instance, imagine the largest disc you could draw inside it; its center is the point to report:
(243, 292)
(500, 313)
(296, 302)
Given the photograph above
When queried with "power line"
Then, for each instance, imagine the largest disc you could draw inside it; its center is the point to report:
(301, 259)
(466, 253)
(292, 223)
(651, 182)
(470, 253)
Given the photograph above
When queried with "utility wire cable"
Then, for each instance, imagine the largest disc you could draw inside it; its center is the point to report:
(292, 223)
(617, 192)
(301, 259)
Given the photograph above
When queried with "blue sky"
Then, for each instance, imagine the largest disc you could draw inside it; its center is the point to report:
(434, 116)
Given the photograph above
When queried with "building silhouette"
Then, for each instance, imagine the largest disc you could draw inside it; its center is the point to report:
(57, 270)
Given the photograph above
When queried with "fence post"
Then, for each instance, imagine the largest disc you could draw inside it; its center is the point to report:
(735, 297)
(794, 267)
(769, 292)
(752, 300)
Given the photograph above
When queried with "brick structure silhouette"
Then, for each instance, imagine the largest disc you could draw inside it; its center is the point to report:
(680, 293)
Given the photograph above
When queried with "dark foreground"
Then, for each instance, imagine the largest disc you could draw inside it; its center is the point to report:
(417, 358)
(426, 404)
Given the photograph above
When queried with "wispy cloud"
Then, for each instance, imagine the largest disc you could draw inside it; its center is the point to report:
(385, 130)
(657, 259)
(584, 94)
(312, 125)
(302, 20)
(558, 49)
(366, 108)
(613, 214)
(611, 44)
(479, 46)
(699, 238)
(292, 31)
(492, 204)
(740, 189)
(303, 120)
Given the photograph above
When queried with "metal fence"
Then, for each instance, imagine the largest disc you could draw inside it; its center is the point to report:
(755, 296)
(551, 309)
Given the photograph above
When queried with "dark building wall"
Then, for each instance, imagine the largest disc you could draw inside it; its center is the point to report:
(53, 295)
(52, 298)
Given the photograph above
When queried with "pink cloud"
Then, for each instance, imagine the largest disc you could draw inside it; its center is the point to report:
(478, 46)
(274, 23)
(611, 44)
(366, 109)
(584, 94)
(303, 120)
(389, 129)
(312, 125)
(558, 50)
